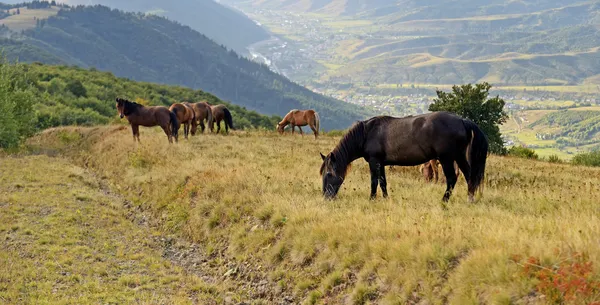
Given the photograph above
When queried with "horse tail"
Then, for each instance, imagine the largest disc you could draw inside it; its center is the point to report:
(228, 118)
(174, 122)
(317, 122)
(476, 155)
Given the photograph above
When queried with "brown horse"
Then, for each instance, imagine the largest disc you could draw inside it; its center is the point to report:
(430, 170)
(221, 113)
(202, 112)
(139, 115)
(299, 118)
(185, 115)
(409, 141)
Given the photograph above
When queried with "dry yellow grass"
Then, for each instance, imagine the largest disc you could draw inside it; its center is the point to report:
(256, 196)
(25, 20)
(65, 241)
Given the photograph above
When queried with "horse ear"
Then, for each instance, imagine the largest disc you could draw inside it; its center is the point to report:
(332, 157)
(322, 156)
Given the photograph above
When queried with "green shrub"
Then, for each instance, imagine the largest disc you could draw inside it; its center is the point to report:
(554, 159)
(522, 152)
(587, 159)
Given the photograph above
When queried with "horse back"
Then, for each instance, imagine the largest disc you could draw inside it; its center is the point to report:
(416, 139)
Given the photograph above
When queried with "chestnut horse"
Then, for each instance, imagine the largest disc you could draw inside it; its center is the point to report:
(299, 118)
(430, 170)
(185, 114)
(202, 112)
(221, 113)
(139, 115)
(409, 141)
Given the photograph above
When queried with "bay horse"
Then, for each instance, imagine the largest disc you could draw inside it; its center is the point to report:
(409, 141)
(185, 115)
(202, 112)
(221, 113)
(139, 115)
(429, 170)
(299, 118)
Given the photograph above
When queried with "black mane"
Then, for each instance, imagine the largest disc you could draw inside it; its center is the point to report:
(351, 146)
(129, 106)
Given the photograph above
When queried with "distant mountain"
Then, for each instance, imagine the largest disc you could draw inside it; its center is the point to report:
(219, 23)
(154, 49)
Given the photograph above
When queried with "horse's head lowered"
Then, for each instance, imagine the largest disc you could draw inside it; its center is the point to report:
(280, 127)
(333, 176)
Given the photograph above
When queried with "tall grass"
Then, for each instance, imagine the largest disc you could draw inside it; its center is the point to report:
(256, 197)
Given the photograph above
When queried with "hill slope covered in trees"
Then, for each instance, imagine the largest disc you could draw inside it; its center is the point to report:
(154, 49)
(35, 97)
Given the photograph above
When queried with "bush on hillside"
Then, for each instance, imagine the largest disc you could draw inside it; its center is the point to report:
(16, 104)
(554, 159)
(522, 152)
(587, 159)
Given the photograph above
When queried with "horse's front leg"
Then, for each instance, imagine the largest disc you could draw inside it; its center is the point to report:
(135, 129)
(375, 168)
(293, 127)
(301, 133)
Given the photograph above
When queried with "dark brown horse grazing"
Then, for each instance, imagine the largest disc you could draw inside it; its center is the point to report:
(221, 113)
(185, 115)
(202, 112)
(139, 115)
(430, 170)
(409, 141)
(299, 118)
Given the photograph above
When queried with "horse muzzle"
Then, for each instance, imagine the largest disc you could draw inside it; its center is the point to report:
(122, 115)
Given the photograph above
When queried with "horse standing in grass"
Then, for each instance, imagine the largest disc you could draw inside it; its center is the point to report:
(139, 115)
(430, 170)
(299, 118)
(202, 112)
(409, 141)
(221, 113)
(185, 115)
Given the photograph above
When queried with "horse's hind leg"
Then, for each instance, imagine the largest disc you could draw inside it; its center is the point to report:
(314, 129)
(167, 130)
(448, 167)
(465, 168)
(383, 181)
(202, 126)
(186, 130)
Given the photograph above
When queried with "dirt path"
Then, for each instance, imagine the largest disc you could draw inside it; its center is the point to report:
(66, 237)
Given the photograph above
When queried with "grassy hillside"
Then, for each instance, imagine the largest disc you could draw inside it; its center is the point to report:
(535, 224)
(154, 49)
(75, 96)
(545, 42)
(67, 240)
(562, 132)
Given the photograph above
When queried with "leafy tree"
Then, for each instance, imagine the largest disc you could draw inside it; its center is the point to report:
(16, 104)
(77, 88)
(471, 102)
